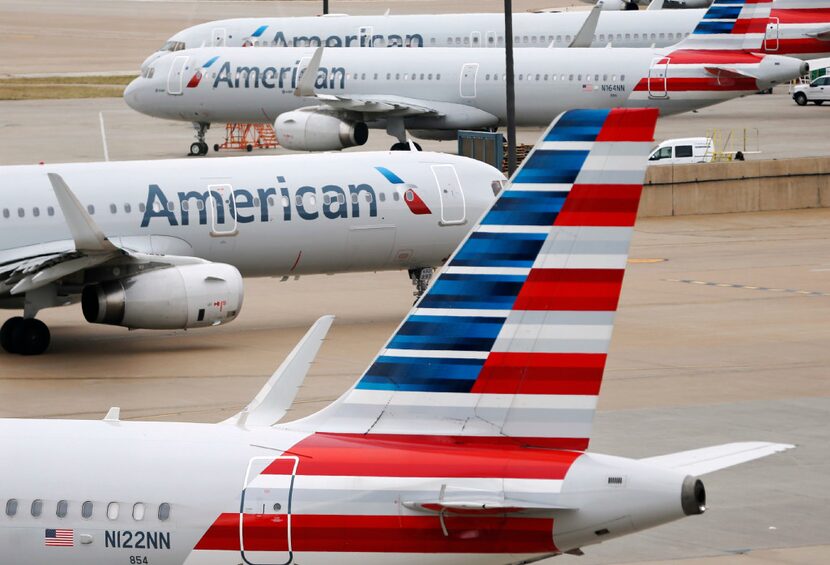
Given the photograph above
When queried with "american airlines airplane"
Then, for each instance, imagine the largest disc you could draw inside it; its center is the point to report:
(464, 443)
(325, 99)
(164, 244)
(799, 28)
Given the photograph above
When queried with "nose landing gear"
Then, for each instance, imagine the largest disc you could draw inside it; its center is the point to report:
(200, 146)
(24, 336)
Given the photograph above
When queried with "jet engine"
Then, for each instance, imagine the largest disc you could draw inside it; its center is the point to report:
(312, 131)
(190, 296)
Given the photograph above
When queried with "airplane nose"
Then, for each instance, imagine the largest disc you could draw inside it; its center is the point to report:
(132, 95)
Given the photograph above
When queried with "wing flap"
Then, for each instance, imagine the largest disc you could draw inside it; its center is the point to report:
(709, 459)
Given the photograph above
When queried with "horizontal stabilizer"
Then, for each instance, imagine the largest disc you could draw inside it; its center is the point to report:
(822, 35)
(709, 459)
(723, 73)
(482, 507)
(275, 398)
(86, 233)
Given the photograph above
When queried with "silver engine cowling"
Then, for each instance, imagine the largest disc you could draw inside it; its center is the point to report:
(190, 296)
(312, 131)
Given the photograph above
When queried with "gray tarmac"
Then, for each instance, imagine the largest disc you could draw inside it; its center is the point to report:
(722, 333)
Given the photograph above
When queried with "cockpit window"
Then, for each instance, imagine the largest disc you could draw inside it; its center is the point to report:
(173, 46)
(148, 72)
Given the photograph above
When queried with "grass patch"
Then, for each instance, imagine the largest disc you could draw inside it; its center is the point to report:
(63, 87)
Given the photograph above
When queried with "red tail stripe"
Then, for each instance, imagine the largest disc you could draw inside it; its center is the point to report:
(388, 534)
(750, 25)
(541, 373)
(799, 46)
(629, 125)
(701, 57)
(570, 289)
(376, 455)
(601, 205)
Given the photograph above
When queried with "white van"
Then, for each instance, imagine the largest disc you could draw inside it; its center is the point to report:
(684, 150)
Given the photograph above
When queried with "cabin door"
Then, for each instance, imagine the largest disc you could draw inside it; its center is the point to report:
(265, 511)
(772, 36)
(219, 37)
(175, 78)
(453, 206)
(658, 77)
(222, 210)
(468, 80)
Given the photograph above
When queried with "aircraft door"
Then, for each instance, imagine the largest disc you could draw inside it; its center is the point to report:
(453, 206)
(475, 39)
(772, 35)
(221, 209)
(658, 76)
(491, 39)
(364, 34)
(467, 87)
(219, 37)
(175, 78)
(265, 511)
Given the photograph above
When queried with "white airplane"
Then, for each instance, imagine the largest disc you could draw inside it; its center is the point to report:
(325, 99)
(630, 5)
(164, 244)
(799, 28)
(464, 443)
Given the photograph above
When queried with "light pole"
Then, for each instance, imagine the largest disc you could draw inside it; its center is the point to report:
(511, 92)
(325, 6)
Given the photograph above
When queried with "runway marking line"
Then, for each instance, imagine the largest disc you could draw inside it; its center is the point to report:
(748, 287)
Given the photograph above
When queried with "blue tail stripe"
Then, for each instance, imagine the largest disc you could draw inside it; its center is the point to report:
(492, 250)
(578, 125)
(452, 333)
(551, 166)
(706, 28)
(525, 208)
(418, 373)
(490, 292)
(723, 13)
(416, 385)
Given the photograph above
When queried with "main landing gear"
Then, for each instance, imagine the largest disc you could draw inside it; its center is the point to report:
(200, 146)
(406, 146)
(25, 336)
(420, 279)
(396, 128)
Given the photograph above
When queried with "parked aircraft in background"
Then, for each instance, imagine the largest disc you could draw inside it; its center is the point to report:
(325, 100)
(463, 443)
(799, 28)
(164, 244)
(651, 5)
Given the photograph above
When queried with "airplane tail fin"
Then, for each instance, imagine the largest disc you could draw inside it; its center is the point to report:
(509, 343)
(730, 25)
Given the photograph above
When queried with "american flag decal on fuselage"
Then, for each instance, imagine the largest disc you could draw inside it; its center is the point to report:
(58, 538)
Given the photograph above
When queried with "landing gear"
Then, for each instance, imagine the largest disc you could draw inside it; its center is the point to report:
(420, 279)
(25, 336)
(199, 147)
(406, 146)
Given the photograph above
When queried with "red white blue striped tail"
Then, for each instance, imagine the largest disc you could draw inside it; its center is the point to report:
(509, 343)
(731, 25)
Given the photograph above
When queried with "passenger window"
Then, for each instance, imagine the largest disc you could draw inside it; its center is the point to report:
(127, 208)
(113, 209)
(91, 209)
(21, 212)
(11, 507)
(368, 198)
(382, 197)
(37, 507)
(171, 206)
(164, 511)
(271, 201)
(50, 211)
(396, 196)
(185, 205)
(142, 207)
(112, 511)
(683, 151)
(35, 211)
(86, 509)
(62, 509)
(6, 213)
(138, 511)
(354, 198)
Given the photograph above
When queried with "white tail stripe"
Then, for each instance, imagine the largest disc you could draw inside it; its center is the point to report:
(437, 353)
(461, 312)
(466, 400)
(487, 270)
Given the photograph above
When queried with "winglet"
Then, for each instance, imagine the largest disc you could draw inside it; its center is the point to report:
(275, 398)
(306, 85)
(86, 233)
(656, 5)
(710, 459)
(113, 415)
(585, 36)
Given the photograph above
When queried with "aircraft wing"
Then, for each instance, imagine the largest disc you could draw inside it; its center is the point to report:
(727, 73)
(374, 104)
(27, 269)
(709, 459)
(482, 506)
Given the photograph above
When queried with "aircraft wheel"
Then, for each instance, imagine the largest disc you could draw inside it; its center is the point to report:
(249, 148)
(31, 337)
(800, 98)
(203, 148)
(195, 148)
(400, 146)
(6, 333)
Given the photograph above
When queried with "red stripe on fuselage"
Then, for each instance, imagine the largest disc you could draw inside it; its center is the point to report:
(541, 373)
(698, 84)
(802, 16)
(382, 455)
(382, 534)
(601, 205)
(703, 57)
(799, 46)
(628, 125)
(570, 289)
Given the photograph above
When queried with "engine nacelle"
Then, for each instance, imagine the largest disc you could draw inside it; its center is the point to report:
(312, 131)
(191, 296)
